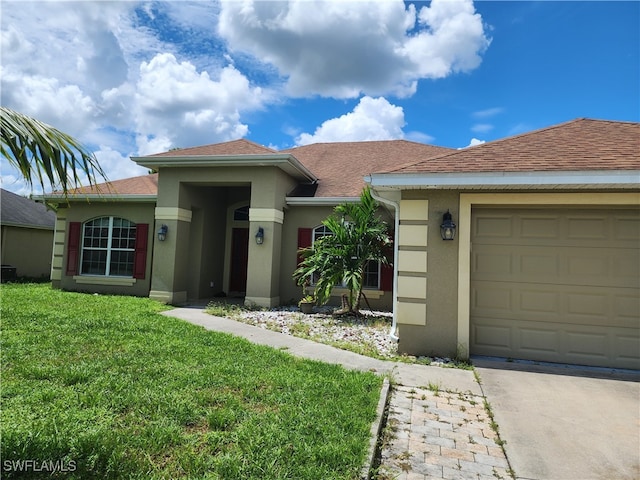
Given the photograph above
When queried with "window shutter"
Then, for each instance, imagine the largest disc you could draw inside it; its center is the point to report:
(304, 240)
(73, 248)
(140, 255)
(386, 278)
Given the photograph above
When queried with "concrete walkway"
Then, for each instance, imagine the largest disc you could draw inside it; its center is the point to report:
(437, 427)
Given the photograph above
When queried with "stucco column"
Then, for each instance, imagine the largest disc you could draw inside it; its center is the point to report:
(263, 272)
(170, 257)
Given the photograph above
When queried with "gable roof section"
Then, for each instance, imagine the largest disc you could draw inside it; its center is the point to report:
(341, 167)
(579, 152)
(18, 211)
(236, 153)
(235, 147)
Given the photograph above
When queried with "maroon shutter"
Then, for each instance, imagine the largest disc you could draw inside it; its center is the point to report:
(140, 255)
(386, 278)
(73, 248)
(304, 240)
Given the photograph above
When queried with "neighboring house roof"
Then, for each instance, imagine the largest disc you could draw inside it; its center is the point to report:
(582, 153)
(18, 211)
(342, 166)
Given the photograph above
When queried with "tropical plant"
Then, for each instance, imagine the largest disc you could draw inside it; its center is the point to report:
(359, 236)
(41, 152)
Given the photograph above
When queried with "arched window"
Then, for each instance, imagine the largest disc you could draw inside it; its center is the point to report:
(108, 247)
(241, 214)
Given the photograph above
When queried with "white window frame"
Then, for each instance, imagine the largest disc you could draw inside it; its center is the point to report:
(109, 248)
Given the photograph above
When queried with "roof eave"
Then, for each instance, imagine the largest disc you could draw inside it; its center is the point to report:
(112, 197)
(319, 201)
(286, 162)
(590, 179)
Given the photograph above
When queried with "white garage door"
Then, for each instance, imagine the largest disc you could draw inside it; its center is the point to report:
(556, 285)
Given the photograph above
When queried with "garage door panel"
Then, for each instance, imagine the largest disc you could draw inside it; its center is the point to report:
(570, 304)
(558, 285)
(536, 341)
(556, 342)
(558, 265)
(495, 337)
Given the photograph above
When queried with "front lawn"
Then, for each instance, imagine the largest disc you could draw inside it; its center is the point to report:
(104, 387)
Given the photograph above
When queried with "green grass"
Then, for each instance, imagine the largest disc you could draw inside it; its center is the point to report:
(109, 387)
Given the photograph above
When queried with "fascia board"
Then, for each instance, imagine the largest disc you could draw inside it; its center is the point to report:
(547, 179)
(26, 225)
(286, 162)
(319, 201)
(107, 197)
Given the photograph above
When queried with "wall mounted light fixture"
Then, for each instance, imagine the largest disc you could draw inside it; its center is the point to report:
(448, 228)
(162, 233)
(260, 236)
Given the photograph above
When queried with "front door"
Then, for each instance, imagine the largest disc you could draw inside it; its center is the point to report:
(239, 260)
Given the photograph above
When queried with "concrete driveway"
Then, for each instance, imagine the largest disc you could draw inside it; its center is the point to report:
(565, 423)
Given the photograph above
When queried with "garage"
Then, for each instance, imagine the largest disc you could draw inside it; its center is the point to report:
(556, 284)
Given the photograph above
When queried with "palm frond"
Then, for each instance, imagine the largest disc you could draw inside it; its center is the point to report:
(42, 153)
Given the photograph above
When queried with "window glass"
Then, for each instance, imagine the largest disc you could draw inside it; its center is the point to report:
(108, 247)
(241, 214)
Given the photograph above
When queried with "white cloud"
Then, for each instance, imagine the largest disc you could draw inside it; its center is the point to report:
(117, 165)
(487, 113)
(473, 143)
(105, 73)
(342, 49)
(482, 127)
(371, 119)
(177, 106)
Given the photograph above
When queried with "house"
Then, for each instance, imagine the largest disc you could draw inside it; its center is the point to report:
(544, 263)
(27, 237)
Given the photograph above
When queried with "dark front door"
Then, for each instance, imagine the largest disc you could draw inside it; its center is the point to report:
(239, 260)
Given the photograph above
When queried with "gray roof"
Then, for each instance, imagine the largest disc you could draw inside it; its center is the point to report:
(22, 212)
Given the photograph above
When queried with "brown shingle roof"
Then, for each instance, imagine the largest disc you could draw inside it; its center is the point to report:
(234, 147)
(578, 145)
(144, 185)
(340, 167)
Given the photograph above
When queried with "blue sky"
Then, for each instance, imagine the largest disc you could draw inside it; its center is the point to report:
(133, 78)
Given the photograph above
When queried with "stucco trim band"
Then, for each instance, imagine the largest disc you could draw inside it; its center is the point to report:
(266, 215)
(173, 213)
(112, 281)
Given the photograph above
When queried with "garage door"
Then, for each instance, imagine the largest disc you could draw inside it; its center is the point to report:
(556, 285)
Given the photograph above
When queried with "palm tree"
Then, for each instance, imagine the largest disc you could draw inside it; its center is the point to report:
(358, 237)
(42, 153)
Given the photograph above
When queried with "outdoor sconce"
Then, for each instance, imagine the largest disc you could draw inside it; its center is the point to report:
(260, 236)
(448, 228)
(162, 233)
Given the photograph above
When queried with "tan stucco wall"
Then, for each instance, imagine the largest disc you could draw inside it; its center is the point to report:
(28, 250)
(433, 303)
(82, 212)
(427, 275)
(311, 217)
(195, 202)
